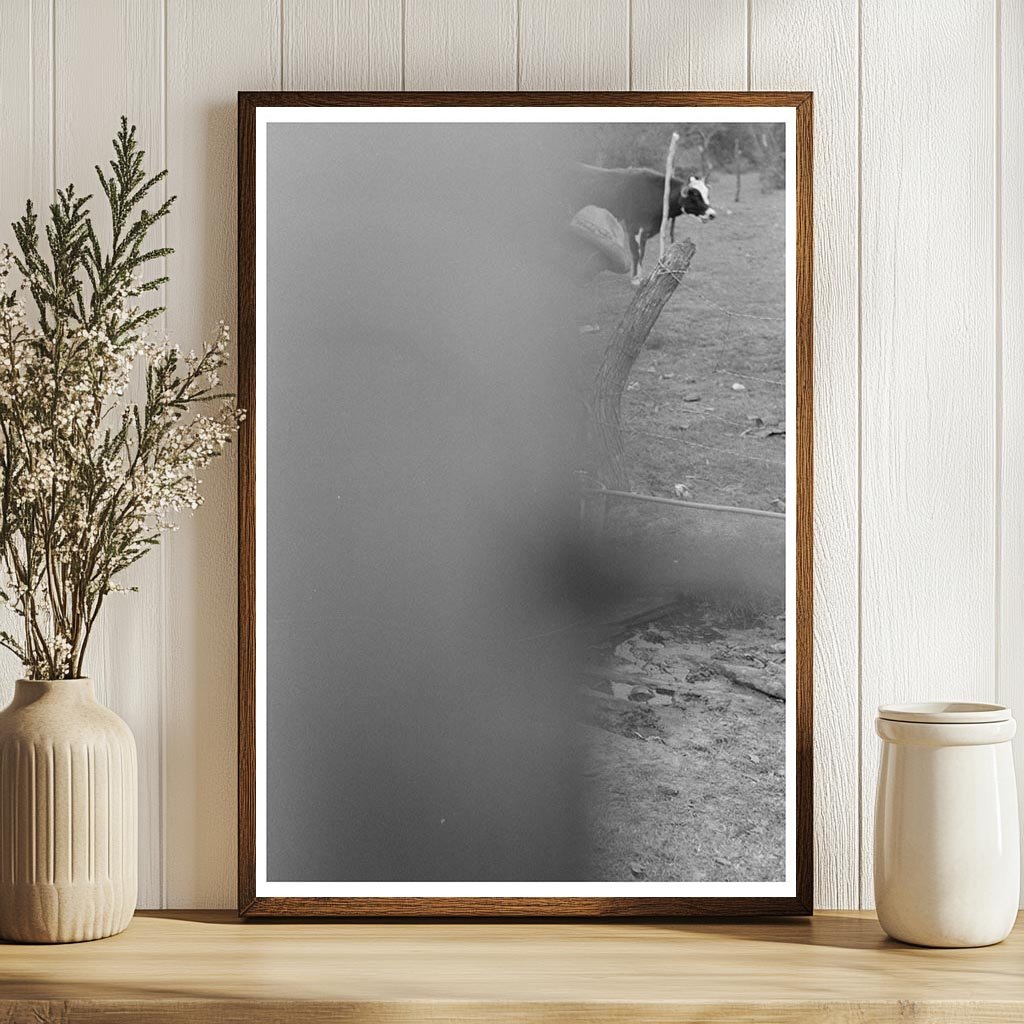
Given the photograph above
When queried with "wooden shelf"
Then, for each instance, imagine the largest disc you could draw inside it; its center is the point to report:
(210, 967)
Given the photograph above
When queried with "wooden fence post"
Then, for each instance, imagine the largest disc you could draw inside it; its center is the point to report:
(670, 162)
(626, 344)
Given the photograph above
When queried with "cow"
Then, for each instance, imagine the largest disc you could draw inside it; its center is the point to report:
(633, 195)
(699, 183)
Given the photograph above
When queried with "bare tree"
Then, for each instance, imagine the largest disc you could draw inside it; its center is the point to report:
(766, 143)
(702, 136)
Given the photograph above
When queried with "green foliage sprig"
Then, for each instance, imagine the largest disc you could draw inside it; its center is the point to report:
(89, 477)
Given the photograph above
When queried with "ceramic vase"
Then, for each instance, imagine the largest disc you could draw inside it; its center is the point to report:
(947, 848)
(68, 811)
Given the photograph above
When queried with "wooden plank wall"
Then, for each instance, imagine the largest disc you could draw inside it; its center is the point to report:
(919, 296)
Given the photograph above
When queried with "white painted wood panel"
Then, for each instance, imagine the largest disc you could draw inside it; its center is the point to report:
(26, 163)
(22, 56)
(1010, 276)
(213, 50)
(928, 369)
(342, 44)
(574, 44)
(127, 665)
(831, 72)
(694, 44)
(466, 45)
(936, 557)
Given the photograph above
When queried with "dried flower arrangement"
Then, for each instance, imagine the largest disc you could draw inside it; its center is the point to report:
(89, 477)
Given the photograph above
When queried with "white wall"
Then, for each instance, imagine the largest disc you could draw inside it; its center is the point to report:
(919, 321)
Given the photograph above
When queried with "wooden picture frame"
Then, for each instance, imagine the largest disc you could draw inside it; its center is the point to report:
(251, 902)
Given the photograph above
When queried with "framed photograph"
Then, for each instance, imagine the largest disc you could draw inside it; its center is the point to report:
(525, 500)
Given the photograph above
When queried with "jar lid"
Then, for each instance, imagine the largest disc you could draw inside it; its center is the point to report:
(945, 713)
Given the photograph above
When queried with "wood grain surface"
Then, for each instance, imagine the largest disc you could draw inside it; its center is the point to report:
(575, 44)
(928, 375)
(468, 45)
(832, 74)
(228, 45)
(342, 44)
(201, 967)
(1009, 268)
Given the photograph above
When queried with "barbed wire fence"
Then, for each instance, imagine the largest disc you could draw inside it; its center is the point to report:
(597, 499)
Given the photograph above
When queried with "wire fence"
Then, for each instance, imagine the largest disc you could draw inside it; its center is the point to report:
(606, 493)
(739, 429)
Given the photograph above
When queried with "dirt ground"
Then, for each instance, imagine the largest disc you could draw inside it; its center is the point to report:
(687, 765)
(687, 422)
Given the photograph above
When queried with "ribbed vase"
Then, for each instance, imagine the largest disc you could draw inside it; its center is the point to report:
(68, 811)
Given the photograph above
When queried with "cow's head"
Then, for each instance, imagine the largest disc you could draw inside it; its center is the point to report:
(695, 199)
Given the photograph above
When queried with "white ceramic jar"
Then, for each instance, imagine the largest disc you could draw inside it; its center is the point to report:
(947, 848)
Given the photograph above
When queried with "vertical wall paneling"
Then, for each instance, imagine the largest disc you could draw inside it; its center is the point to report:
(831, 72)
(697, 44)
(1010, 256)
(928, 404)
(468, 45)
(26, 166)
(213, 50)
(342, 44)
(123, 658)
(574, 44)
(26, 108)
(919, 337)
